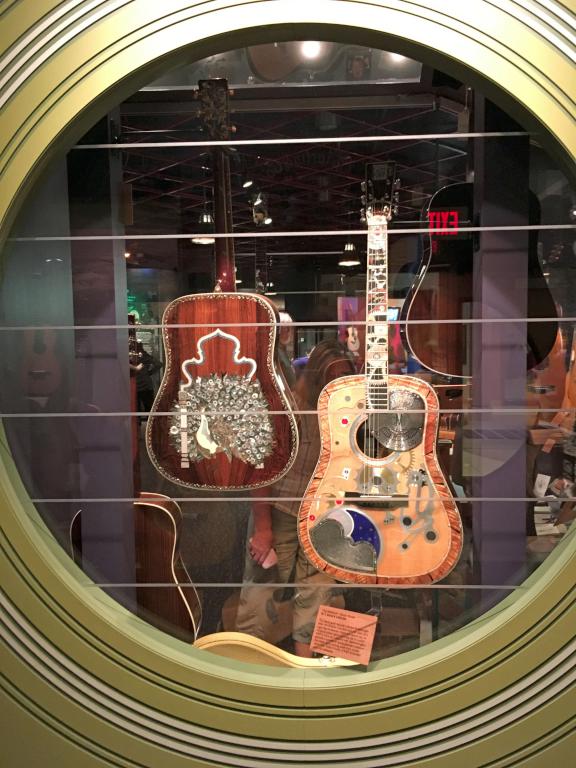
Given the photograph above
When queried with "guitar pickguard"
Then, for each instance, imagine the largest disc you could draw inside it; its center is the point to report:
(223, 414)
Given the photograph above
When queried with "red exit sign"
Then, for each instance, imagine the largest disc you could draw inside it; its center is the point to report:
(444, 222)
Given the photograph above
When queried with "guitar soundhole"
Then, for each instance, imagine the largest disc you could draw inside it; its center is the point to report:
(369, 445)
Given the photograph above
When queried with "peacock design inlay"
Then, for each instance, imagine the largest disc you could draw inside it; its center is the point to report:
(221, 413)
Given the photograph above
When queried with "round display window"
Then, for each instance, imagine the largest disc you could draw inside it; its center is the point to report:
(288, 351)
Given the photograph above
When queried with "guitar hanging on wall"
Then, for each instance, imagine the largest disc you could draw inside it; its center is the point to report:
(230, 425)
(443, 289)
(378, 508)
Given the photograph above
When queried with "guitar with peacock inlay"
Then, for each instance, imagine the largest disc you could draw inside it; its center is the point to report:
(222, 417)
(378, 509)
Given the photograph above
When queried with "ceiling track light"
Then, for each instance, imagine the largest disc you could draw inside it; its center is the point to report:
(205, 230)
(260, 210)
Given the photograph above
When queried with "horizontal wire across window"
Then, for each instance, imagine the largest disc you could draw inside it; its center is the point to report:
(296, 233)
(310, 140)
(293, 324)
(343, 410)
(283, 585)
(272, 499)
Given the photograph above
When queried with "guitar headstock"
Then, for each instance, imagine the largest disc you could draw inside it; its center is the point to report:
(214, 108)
(380, 190)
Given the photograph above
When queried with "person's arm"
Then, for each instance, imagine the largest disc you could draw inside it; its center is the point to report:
(262, 540)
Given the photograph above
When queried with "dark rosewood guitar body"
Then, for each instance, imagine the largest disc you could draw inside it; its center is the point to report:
(251, 320)
(221, 364)
(444, 291)
(175, 608)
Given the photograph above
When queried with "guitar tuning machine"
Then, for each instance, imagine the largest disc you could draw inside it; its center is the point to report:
(363, 215)
(363, 186)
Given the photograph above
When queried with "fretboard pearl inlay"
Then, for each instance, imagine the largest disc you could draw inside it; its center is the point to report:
(376, 354)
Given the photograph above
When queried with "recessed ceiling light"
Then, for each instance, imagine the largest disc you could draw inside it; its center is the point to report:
(311, 49)
(348, 263)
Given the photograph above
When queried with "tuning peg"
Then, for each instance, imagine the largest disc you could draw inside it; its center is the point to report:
(363, 215)
(363, 186)
(363, 199)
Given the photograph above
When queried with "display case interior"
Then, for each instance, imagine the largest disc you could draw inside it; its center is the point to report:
(248, 369)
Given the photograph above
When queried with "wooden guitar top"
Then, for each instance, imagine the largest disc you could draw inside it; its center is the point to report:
(389, 520)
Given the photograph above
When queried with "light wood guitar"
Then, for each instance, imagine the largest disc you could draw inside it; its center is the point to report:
(378, 508)
(165, 594)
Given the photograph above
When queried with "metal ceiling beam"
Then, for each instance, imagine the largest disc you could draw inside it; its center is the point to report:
(299, 104)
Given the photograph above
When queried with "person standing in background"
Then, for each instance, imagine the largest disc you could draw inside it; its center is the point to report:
(273, 552)
(145, 390)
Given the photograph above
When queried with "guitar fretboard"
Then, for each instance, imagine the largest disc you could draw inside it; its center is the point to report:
(377, 312)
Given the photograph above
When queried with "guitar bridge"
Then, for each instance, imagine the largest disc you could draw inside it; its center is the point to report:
(384, 503)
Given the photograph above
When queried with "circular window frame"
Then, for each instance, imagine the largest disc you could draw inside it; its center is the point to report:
(73, 62)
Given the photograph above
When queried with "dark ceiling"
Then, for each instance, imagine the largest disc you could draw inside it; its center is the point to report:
(307, 187)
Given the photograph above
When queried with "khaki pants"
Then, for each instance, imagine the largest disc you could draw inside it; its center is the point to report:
(264, 611)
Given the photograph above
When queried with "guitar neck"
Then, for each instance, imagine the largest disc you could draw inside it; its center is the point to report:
(214, 115)
(224, 246)
(376, 353)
